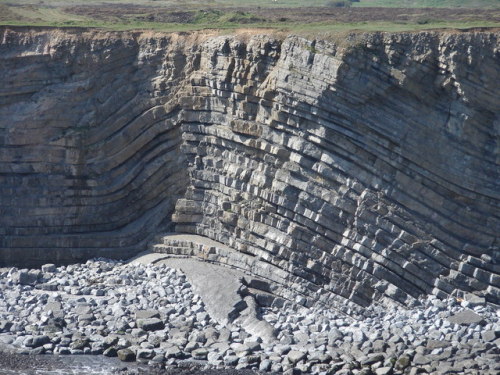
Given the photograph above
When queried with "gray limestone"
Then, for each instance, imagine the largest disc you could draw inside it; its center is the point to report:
(126, 355)
(466, 317)
(490, 335)
(151, 324)
(384, 371)
(156, 317)
(295, 356)
(147, 314)
(310, 160)
(49, 268)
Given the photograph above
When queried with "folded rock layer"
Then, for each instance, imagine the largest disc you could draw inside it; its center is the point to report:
(361, 169)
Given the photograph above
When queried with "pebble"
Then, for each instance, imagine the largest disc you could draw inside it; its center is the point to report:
(150, 313)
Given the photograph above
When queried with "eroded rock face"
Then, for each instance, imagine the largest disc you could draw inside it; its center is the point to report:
(90, 144)
(363, 170)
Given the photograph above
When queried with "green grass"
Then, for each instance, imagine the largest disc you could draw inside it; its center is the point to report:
(267, 3)
(218, 17)
(47, 14)
(429, 3)
(207, 15)
(177, 3)
(311, 28)
(391, 26)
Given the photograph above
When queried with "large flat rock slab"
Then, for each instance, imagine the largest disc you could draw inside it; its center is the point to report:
(222, 289)
(219, 287)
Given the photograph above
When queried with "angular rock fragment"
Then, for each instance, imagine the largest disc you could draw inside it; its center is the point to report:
(200, 353)
(126, 355)
(466, 317)
(474, 300)
(384, 371)
(147, 314)
(151, 324)
(295, 356)
(25, 277)
(145, 354)
(402, 362)
(110, 352)
(490, 335)
(48, 268)
(372, 359)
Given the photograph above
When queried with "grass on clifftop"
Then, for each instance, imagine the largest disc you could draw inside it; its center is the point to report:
(429, 3)
(197, 4)
(280, 15)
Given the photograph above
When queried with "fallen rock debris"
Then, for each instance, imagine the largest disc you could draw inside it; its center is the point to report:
(149, 313)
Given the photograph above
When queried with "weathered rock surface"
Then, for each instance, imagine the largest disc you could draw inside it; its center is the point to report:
(361, 173)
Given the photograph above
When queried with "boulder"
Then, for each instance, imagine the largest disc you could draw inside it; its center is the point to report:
(295, 356)
(147, 314)
(150, 324)
(466, 317)
(126, 355)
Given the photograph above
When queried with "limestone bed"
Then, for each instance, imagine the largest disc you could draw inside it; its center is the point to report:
(149, 313)
(360, 169)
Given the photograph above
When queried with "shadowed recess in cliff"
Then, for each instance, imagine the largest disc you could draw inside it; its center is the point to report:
(90, 157)
(362, 170)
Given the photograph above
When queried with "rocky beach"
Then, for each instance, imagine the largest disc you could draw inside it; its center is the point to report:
(149, 314)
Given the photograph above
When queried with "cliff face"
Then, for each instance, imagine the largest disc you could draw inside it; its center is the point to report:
(361, 171)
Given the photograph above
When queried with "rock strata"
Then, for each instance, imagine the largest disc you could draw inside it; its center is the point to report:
(363, 169)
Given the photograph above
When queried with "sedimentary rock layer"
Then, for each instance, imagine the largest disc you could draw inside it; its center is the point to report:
(359, 169)
(90, 161)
